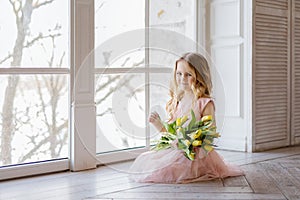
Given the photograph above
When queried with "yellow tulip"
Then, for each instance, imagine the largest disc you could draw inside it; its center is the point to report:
(208, 148)
(192, 156)
(196, 143)
(206, 118)
(178, 121)
(184, 119)
(196, 134)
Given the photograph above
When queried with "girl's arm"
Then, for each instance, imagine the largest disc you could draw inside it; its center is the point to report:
(209, 110)
(155, 120)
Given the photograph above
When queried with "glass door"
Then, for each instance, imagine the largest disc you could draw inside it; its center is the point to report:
(131, 77)
(120, 76)
(34, 75)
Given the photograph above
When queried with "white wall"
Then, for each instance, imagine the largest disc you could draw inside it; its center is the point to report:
(229, 39)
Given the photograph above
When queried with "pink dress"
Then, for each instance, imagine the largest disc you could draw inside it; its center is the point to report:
(171, 166)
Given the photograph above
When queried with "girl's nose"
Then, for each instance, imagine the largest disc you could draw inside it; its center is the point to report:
(185, 76)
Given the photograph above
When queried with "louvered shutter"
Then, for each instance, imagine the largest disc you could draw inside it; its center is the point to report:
(295, 126)
(271, 71)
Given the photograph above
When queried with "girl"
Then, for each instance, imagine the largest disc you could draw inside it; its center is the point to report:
(191, 88)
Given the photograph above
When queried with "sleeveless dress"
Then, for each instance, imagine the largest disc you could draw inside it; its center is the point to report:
(171, 166)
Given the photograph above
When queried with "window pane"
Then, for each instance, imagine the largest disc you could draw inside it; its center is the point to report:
(34, 34)
(159, 96)
(120, 100)
(34, 118)
(175, 30)
(172, 15)
(112, 19)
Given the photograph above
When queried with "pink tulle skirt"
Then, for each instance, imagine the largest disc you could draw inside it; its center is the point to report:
(171, 166)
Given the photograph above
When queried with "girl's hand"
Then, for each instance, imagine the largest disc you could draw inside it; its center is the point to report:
(154, 119)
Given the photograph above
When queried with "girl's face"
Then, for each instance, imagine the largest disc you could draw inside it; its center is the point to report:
(184, 75)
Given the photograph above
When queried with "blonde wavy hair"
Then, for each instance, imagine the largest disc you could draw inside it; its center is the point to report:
(202, 86)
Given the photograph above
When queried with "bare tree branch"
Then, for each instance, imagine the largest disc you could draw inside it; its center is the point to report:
(50, 62)
(40, 37)
(6, 58)
(101, 87)
(101, 5)
(108, 110)
(29, 154)
(43, 105)
(63, 141)
(14, 4)
(38, 4)
(62, 126)
(61, 59)
(113, 89)
(31, 43)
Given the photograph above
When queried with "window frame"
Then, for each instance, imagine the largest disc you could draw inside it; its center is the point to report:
(44, 166)
(128, 154)
(77, 153)
(39, 167)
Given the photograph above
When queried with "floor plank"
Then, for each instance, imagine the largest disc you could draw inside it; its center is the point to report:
(240, 181)
(286, 182)
(269, 175)
(259, 181)
(197, 195)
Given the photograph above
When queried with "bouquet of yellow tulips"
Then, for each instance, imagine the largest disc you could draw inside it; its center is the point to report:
(197, 134)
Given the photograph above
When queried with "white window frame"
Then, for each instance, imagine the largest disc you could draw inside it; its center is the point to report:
(82, 150)
(40, 167)
(123, 155)
(28, 169)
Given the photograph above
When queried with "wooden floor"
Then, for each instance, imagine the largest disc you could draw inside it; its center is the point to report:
(269, 175)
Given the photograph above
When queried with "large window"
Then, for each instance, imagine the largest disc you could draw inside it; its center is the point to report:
(37, 74)
(34, 76)
(132, 74)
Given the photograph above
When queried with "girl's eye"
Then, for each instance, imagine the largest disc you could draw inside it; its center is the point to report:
(178, 73)
(189, 74)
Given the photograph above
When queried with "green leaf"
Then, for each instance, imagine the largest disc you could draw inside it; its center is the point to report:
(197, 125)
(188, 155)
(193, 120)
(161, 146)
(181, 145)
(169, 127)
(183, 134)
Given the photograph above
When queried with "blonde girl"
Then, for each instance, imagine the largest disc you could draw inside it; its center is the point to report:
(190, 88)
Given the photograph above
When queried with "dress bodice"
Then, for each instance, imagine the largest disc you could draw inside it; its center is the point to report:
(198, 108)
